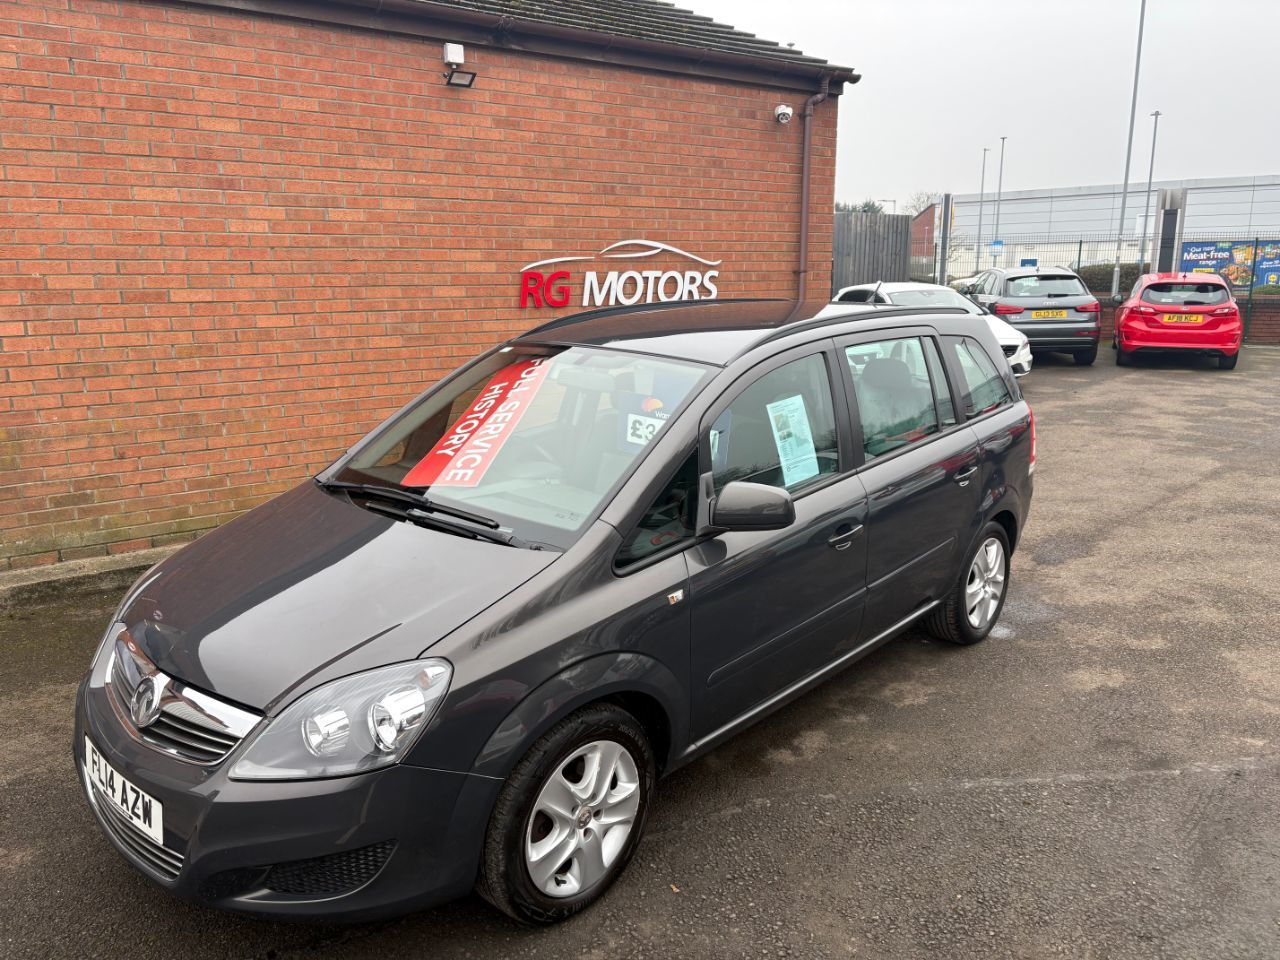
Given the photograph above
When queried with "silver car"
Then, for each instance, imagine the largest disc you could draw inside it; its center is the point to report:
(1051, 306)
(1014, 344)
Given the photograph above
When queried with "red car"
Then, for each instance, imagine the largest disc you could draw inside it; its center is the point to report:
(1179, 313)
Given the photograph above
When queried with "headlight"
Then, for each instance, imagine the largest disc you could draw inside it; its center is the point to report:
(354, 724)
(102, 657)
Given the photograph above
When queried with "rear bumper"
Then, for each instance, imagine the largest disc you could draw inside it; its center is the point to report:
(1222, 341)
(1066, 336)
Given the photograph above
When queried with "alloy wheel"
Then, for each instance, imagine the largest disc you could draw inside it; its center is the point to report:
(581, 819)
(985, 585)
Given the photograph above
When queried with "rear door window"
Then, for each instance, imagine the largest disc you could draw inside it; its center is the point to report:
(1046, 286)
(1186, 294)
(898, 393)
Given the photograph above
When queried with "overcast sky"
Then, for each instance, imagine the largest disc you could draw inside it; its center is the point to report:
(944, 78)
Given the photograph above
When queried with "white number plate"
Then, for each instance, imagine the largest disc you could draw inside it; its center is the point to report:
(141, 809)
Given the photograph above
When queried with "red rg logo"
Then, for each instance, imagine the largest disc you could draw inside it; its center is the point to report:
(537, 289)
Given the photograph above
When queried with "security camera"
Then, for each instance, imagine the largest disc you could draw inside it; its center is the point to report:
(783, 113)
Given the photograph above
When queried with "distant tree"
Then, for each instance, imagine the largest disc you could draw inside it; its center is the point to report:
(866, 206)
(919, 202)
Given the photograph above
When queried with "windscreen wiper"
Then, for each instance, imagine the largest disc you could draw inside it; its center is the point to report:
(424, 519)
(419, 500)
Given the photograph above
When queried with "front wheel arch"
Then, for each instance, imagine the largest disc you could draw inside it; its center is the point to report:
(637, 683)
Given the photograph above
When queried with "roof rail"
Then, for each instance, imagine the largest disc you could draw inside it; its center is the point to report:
(640, 308)
(874, 314)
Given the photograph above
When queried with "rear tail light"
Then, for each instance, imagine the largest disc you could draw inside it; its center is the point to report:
(1005, 309)
(1094, 307)
(1145, 311)
(1224, 311)
(1032, 414)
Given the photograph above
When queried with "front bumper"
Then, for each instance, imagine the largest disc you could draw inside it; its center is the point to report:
(350, 848)
(1020, 360)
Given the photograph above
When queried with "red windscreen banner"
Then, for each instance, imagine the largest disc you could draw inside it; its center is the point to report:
(468, 448)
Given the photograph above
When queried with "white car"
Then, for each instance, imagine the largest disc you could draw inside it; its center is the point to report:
(870, 295)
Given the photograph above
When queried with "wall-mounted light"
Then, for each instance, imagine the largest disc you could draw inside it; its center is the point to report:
(454, 58)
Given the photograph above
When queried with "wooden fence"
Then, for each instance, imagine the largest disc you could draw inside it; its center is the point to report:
(870, 246)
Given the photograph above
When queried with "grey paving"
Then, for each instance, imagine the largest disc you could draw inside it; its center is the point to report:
(1099, 780)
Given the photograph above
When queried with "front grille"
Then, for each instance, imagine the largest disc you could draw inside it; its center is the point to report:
(1010, 349)
(191, 725)
(161, 859)
(333, 874)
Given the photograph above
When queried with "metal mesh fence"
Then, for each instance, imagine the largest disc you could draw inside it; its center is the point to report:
(1249, 263)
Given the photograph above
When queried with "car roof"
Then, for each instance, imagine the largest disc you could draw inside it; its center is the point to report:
(1012, 273)
(892, 286)
(1185, 275)
(710, 331)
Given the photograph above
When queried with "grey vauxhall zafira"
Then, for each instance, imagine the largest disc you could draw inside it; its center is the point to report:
(462, 656)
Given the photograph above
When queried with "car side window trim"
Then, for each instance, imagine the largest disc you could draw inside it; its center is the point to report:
(945, 385)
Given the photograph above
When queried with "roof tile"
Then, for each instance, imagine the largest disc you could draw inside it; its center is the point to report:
(653, 20)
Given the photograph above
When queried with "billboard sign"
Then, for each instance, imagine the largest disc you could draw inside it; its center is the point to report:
(1236, 261)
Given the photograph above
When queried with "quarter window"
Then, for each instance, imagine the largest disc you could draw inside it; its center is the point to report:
(670, 520)
(780, 431)
(984, 389)
(898, 398)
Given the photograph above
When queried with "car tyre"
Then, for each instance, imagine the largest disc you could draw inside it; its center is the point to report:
(1085, 358)
(952, 619)
(1228, 363)
(534, 813)
(1123, 358)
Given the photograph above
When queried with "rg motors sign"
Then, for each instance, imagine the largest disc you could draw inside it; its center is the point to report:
(549, 283)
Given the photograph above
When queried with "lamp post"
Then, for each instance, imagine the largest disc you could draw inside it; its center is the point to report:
(1128, 150)
(1146, 212)
(982, 200)
(999, 190)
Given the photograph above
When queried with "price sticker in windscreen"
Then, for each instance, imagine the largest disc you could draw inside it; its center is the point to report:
(640, 429)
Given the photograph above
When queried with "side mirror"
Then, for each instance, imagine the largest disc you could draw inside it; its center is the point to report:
(1117, 298)
(752, 506)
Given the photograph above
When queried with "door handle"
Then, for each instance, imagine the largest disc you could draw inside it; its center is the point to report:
(962, 477)
(843, 539)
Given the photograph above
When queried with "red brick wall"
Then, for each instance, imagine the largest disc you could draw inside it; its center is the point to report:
(229, 244)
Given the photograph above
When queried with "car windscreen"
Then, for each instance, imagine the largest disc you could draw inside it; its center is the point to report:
(1045, 286)
(941, 297)
(1186, 294)
(533, 438)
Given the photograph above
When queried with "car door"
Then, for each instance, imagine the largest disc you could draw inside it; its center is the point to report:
(988, 401)
(920, 470)
(986, 290)
(770, 607)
